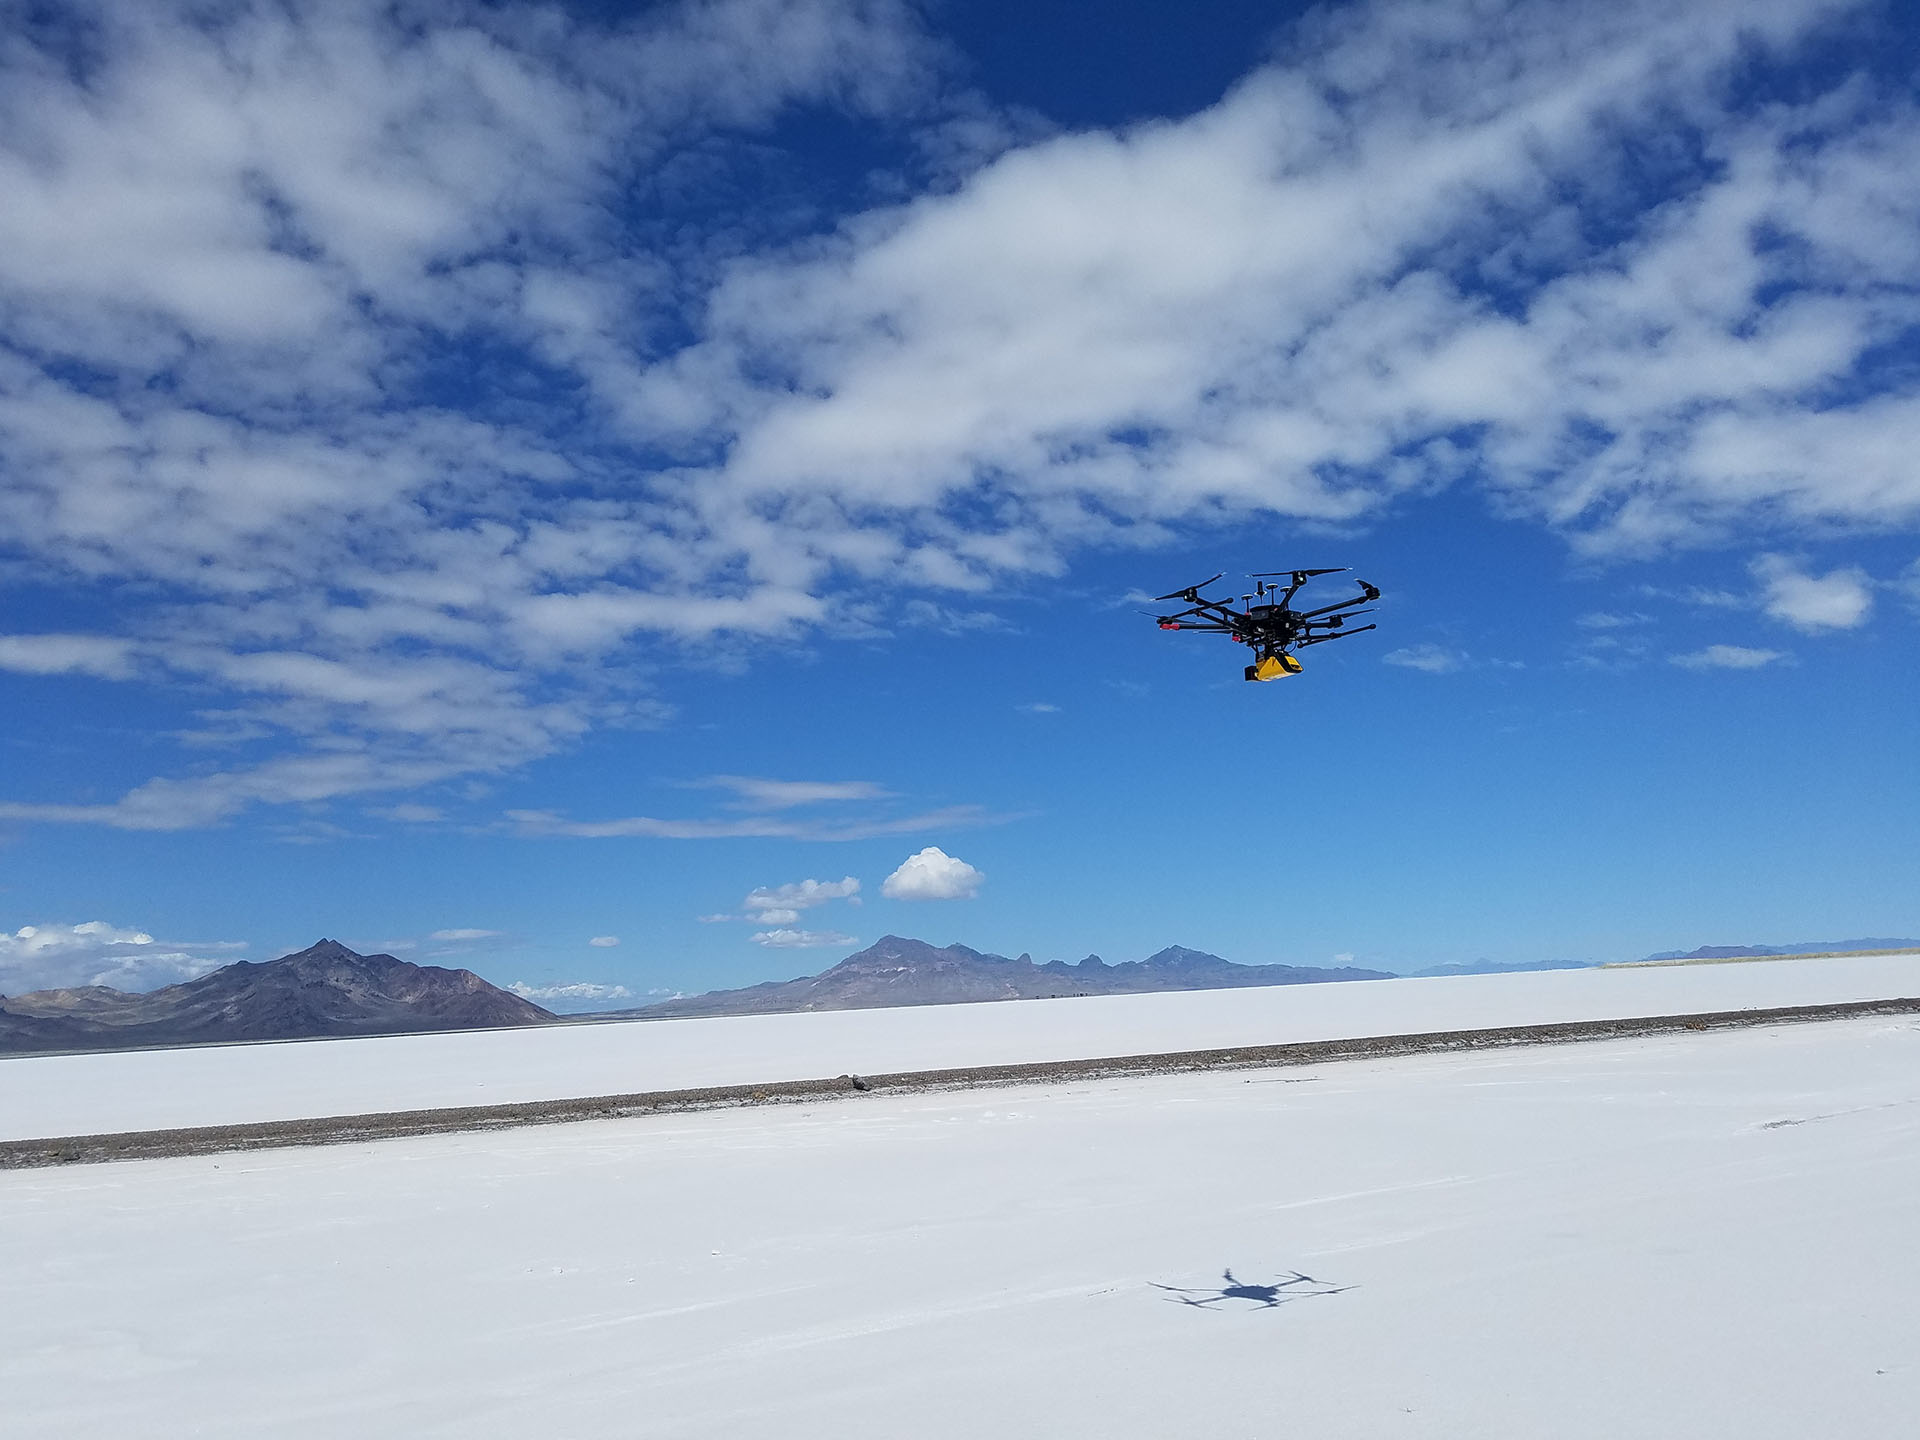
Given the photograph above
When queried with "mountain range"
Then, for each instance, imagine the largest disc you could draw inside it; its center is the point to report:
(324, 990)
(328, 990)
(895, 970)
(1803, 947)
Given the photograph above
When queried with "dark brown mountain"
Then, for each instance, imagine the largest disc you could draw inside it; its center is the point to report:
(324, 990)
(898, 971)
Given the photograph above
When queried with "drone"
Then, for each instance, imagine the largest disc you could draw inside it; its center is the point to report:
(1274, 628)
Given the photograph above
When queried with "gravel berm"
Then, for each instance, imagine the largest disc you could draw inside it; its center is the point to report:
(345, 1129)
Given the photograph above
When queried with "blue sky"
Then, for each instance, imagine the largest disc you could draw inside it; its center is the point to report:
(632, 499)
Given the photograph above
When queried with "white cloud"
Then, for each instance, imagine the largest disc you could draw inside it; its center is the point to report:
(781, 905)
(1606, 620)
(100, 655)
(1562, 253)
(758, 794)
(52, 957)
(1039, 707)
(168, 804)
(604, 942)
(1303, 303)
(932, 874)
(1727, 657)
(572, 997)
(784, 939)
(801, 895)
(465, 935)
(1703, 596)
(250, 228)
(1838, 600)
(1432, 659)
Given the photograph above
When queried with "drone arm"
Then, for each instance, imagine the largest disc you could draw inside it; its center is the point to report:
(1191, 594)
(1368, 594)
(1332, 622)
(1212, 612)
(1336, 635)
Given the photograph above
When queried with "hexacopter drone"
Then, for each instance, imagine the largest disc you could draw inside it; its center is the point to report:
(1274, 629)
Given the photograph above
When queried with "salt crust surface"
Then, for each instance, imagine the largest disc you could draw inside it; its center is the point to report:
(1690, 1235)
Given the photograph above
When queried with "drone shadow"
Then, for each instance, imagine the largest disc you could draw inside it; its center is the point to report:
(1294, 1286)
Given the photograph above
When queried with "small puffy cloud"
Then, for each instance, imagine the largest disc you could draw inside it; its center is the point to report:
(604, 942)
(53, 957)
(465, 935)
(780, 905)
(784, 939)
(1430, 659)
(1727, 657)
(578, 990)
(1838, 600)
(784, 900)
(1039, 707)
(932, 875)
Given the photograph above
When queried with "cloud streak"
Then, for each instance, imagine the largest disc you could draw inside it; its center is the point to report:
(766, 827)
(1727, 657)
(788, 939)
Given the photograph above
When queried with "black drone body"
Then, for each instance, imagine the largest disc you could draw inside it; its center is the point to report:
(1273, 628)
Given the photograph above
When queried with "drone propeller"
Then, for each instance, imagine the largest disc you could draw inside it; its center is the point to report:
(1189, 592)
(1297, 574)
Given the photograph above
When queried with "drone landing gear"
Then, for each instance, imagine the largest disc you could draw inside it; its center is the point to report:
(1272, 667)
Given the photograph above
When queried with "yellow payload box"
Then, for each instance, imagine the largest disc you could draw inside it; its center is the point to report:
(1273, 667)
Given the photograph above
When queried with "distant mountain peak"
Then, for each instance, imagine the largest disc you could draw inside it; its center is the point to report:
(332, 952)
(324, 990)
(1179, 957)
(899, 970)
(324, 949)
